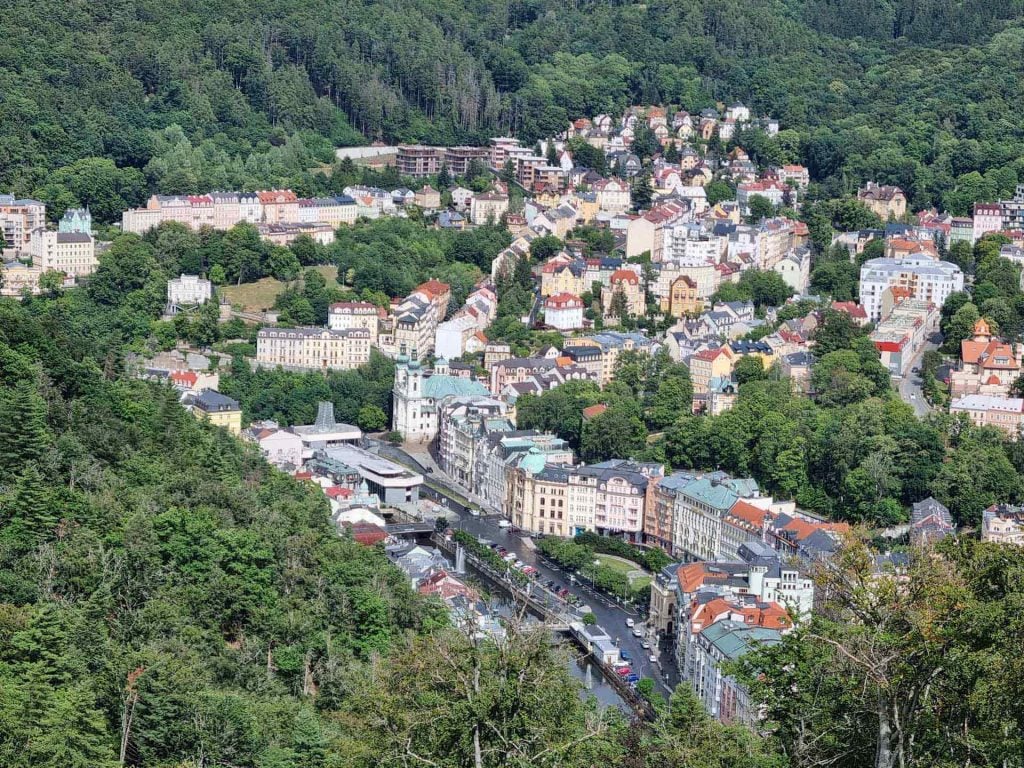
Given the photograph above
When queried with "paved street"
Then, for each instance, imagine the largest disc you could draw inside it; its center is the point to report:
(910, 385)
(610, 615)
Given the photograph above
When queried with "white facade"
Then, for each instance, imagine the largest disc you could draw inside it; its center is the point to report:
(189, 290)
(72, 253)
(309, 349)
(355, 315)
(795, 270)
(924, 278)
(564, 312)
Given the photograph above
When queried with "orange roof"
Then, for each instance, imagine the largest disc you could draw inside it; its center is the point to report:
(748, 513)
(625, 276)
(594, 411)
(277, 196)
(694, 575)
(971, 350)
(434, 288)
(184, 377)
(563, 300)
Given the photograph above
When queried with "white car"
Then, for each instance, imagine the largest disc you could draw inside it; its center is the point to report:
(504, 524)
(653, 659)
(511, 557)
(645, 645)
(630, 623)
(638, 632)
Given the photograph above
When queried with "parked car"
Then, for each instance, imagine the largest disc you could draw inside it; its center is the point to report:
(645, 645)
(623, 671)
(625, 656)
(563, 592)
(638, 632)
(620, 664)
(630, 623)
(504, 524)
(633, 678)
(653, 659)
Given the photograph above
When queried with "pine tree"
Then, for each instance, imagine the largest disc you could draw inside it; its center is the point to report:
(29, 510)
(24, 436)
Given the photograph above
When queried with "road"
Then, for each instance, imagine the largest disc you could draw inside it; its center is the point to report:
(610, 615)
(910, 385)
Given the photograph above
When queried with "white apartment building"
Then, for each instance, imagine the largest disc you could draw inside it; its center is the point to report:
(188, 290)
(690, 242)
(919, 277)
(72, 253)
(312, 349)
(353, 315)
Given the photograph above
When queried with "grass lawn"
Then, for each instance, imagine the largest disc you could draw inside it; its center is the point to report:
(258, 296)
(625, 567)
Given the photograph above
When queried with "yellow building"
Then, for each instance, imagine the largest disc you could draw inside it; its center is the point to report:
(710, 364)
(683, 298)
(220, 410)
(562, 277)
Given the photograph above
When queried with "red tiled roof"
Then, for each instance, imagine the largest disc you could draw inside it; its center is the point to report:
(625, 276)
(594, 411)
(434, 288)
(563, 301)
(184, 377)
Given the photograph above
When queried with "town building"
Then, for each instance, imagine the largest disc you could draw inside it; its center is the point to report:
(624, 283)
(987, 366)
(1003, 524)
(930, 522)
(917, 277)
(418, 396)
(645, 234)
(19, 218)
(1003, 413)
(463, 423)
(561, 500)
(353, 315)
(76, 220)
(901, 335)
(312, 349)
(886, 201)
(220, 410)
(488, 208)
(564, 312)
(683, 299)
(187, 291)
(16, 278)
(73, 254)
(390, 482)
(418, 161)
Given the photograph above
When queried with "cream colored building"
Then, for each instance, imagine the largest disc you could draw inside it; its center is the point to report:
(16, 277)
(71, 253)
(613, 195)
(488, 208)
(351, 315)
(308, 349)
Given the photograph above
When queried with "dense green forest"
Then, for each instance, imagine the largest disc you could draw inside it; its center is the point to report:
(182, 96)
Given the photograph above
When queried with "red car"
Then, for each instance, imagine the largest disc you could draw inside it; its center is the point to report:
(624, 671)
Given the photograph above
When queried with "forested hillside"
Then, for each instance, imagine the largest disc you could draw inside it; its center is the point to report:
(182, 96)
